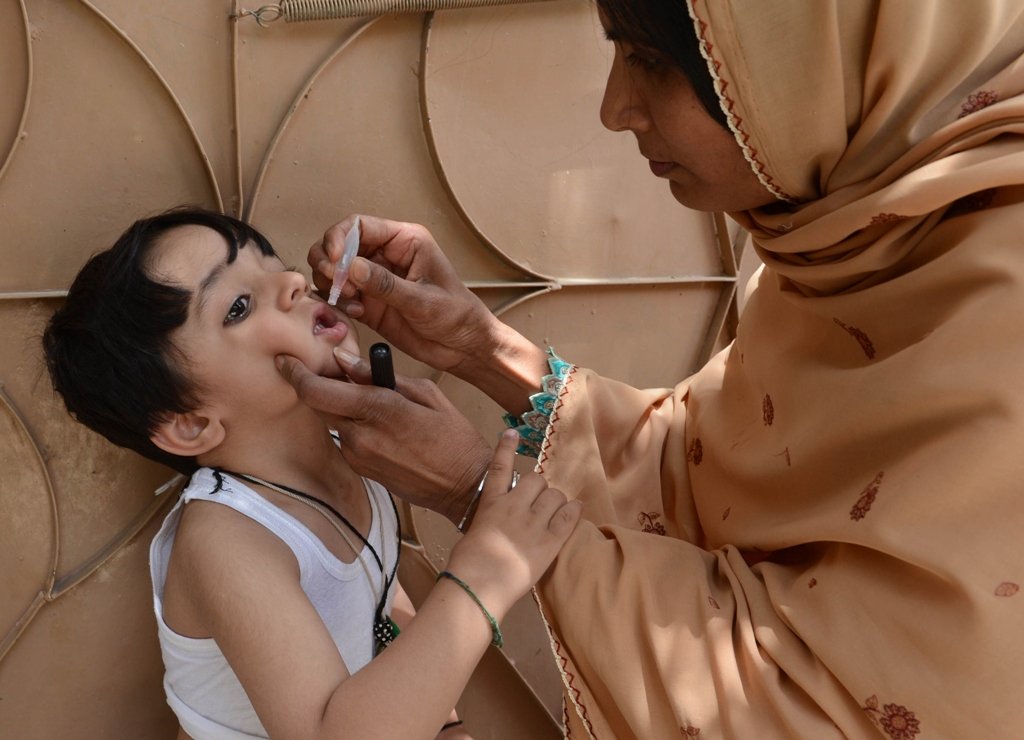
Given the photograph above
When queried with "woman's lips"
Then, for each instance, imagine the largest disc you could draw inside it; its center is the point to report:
(661, 168)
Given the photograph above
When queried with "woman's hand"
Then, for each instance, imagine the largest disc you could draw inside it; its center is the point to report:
(413, 441)
(404, 288)
(515, 534)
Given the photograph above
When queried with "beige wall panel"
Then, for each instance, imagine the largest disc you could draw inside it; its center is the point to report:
(104, 144)
(28, 526)
(513, 95)
(90, 665)
(15, 65)
(355, 145)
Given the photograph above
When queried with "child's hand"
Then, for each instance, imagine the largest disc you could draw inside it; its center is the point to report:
(515, 534)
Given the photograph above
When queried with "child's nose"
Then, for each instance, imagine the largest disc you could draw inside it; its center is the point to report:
(293, 287)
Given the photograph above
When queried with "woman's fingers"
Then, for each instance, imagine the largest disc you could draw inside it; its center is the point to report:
(355, 367)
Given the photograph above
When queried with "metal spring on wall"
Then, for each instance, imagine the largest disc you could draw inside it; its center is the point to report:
(324, 10)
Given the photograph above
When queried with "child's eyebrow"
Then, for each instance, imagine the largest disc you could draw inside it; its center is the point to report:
(207, 284)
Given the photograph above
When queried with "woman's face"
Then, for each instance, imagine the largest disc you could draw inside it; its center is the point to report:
(651, 97)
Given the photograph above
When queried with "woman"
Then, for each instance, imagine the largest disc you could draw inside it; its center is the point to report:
(818, 534)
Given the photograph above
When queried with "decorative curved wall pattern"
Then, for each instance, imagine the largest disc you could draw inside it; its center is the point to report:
(479, 123)
(16, 131)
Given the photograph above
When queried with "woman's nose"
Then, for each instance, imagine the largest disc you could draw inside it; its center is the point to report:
(293, 287)
(622, 108)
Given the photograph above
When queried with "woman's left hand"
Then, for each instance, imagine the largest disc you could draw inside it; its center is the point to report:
(413, 441)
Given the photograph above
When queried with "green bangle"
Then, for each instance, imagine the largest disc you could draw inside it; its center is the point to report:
(498, 641)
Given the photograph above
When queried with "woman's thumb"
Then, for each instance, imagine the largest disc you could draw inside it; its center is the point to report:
(378, 281)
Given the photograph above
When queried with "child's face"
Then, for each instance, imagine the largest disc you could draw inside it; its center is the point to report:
(243, 315)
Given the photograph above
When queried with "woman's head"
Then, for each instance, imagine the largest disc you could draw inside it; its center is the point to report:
(660, 89)
(665, 28)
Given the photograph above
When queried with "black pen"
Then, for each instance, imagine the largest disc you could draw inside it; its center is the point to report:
(381, 366)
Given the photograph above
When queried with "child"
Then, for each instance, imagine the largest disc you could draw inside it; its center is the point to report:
(274, 576)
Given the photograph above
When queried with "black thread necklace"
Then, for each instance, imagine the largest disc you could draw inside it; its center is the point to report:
(384, 628)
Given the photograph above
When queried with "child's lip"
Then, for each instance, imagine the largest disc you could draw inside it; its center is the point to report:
(326, 321)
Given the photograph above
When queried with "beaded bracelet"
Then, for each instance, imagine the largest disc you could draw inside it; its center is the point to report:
(497, 640)
(533, 425)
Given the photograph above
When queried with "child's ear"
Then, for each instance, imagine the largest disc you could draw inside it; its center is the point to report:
(188, 434)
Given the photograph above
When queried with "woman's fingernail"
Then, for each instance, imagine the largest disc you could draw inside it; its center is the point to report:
(360, 271)
(345, 356)
(510, 434)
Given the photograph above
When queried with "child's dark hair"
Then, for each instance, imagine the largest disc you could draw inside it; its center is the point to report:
(666, 27)
(109, 349)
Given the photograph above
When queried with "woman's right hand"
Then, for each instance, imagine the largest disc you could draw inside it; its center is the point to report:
(515, 533)
(404, 288)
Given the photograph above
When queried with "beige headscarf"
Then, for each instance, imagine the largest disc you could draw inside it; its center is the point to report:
(821, 534)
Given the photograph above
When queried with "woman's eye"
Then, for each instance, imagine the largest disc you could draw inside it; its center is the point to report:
(645, 61)
(239, 309)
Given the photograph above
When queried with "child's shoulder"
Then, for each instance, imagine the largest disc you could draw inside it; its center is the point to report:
(211, 536)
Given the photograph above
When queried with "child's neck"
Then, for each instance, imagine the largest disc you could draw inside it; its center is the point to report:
(300, 453)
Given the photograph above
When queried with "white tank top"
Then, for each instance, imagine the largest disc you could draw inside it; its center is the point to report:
(201, 688)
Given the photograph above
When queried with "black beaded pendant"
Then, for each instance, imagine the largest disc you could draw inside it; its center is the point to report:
(384, 632)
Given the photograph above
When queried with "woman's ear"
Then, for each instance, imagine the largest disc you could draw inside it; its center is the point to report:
(188, 434)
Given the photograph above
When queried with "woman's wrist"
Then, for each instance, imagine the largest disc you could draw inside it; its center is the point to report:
(458, 506)
(508, 368)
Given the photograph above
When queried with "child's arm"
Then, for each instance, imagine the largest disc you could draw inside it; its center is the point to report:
(402, 612)
(244, 586)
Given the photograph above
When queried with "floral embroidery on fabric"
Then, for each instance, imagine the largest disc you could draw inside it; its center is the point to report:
(867, 499)
(812, 583)
(1007, 588)
(726, 513)
(648, 522)
(712, 603)
(976, 101)
(885, 218)
(689, 730)
(767, 410)
(696, 452)
(898, 722)
(862, 339)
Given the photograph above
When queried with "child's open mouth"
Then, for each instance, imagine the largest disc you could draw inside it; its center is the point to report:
(327, 323)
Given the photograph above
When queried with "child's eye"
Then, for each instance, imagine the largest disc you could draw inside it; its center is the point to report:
(239, 309)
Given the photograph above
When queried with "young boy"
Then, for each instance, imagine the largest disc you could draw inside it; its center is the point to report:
(274, 575)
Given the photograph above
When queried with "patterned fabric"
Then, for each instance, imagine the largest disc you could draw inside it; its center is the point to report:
(819, 534)
(533, 425)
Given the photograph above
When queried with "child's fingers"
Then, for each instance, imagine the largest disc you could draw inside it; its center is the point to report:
(499, 472)
(547, 502)
(565, 519)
